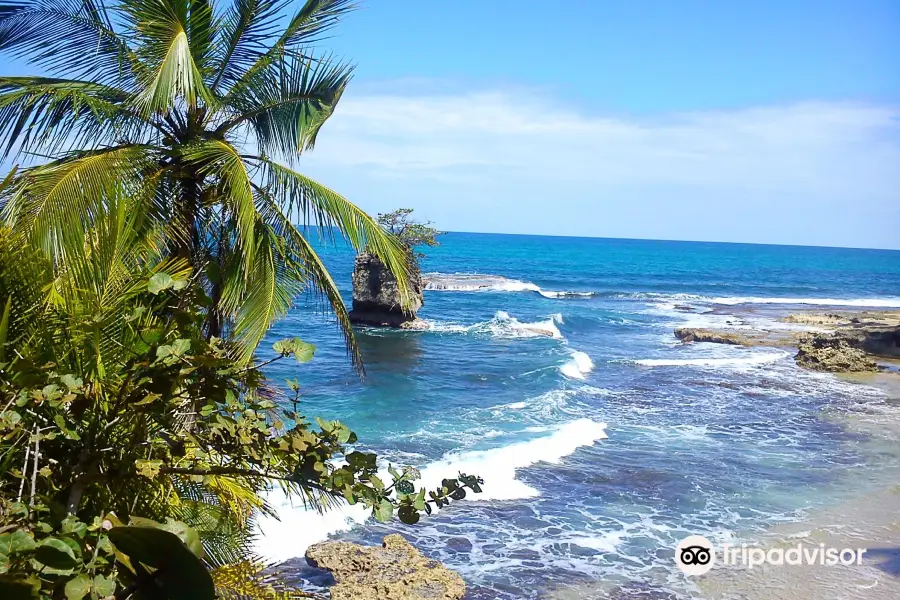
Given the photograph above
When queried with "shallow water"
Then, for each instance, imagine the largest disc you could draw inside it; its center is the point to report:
(524, 364)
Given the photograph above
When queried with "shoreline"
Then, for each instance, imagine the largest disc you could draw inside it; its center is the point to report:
(867, 515)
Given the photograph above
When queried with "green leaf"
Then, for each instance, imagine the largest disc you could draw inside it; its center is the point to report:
(17, 541)
(180, 574)
(148, 468)
(384, 511)
(186, 534)
(302, 351)
(4, 327)
(160, 282)
(79, 587)
(72, 382)
(72, 525)
(56, 554)
(104, 587)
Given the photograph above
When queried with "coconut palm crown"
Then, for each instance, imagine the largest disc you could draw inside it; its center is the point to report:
(197, 113)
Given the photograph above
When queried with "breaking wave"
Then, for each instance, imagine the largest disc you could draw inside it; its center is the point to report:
(578, 366)
(298, 527)
(756, 359)
(471, 282)
(505, 326)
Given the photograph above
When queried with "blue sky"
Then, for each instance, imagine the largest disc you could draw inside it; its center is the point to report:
(745, 121)
(772, 122)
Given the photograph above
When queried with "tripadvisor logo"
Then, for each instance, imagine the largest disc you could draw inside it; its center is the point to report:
(695, 555)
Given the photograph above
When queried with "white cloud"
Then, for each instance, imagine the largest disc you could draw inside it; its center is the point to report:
(513, 148)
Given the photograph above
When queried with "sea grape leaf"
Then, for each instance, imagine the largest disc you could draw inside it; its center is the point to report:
(302, 351)
(179, 573)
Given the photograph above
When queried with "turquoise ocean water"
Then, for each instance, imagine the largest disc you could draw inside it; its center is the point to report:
(550, 369)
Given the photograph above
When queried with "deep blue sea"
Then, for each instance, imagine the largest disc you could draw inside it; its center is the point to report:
(551, 370)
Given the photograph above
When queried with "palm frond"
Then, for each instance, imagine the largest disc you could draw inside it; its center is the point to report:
(71, 36)
(221, 159)
(287, 103)
(316, 205)
(165, 45)
(43, 114)
(310, 269)
(245, 29)
(255, 579)
(55, 204)
(305, 28)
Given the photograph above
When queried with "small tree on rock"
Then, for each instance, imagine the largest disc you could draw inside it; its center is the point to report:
(411, 233)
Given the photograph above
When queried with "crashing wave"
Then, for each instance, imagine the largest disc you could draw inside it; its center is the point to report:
(297, 527)
(578, 366)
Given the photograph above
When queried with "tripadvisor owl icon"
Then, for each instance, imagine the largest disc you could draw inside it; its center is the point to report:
(695, 555)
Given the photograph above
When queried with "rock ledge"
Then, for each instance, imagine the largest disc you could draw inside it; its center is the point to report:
(395, 571)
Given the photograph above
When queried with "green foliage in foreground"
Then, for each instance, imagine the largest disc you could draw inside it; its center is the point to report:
(195, 112)
(140, 266)
(171, 428)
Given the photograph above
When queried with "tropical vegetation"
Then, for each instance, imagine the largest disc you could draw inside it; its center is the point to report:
(145, 249)
(411, 233)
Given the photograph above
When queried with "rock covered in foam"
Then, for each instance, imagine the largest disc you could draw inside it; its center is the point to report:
(376, 296)
(395, 571)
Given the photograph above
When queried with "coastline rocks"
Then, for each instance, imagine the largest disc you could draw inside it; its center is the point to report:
(376, 296)
(820, 352)
(395, 571)
(693, 334)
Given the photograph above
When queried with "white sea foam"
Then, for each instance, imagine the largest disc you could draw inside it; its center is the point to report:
(755, 359)
(475, 282)
(469, 282)
(578, 366)
(859, 302)
(503, 325)
(607, 542)
(498, 465)
(564, 294)
(299, 527)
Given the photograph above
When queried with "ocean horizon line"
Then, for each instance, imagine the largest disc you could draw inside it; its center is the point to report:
(684, 241)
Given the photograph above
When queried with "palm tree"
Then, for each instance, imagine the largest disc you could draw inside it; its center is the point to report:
(196, 113)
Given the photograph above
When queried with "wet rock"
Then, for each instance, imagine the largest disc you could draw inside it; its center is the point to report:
(395, 571)
(376, 296)
(684, 308)
(833, 353)
(693, 334)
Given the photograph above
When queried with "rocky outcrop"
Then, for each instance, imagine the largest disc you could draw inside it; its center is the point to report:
(824, 352)
(376, 296)
(694, 334)
(395, 571)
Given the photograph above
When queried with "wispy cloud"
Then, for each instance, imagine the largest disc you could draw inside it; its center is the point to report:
(513, 148)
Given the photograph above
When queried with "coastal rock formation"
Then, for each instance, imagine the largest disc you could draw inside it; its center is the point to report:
(823, 352)
(396, 571)
(376, 296)
(694, 334)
